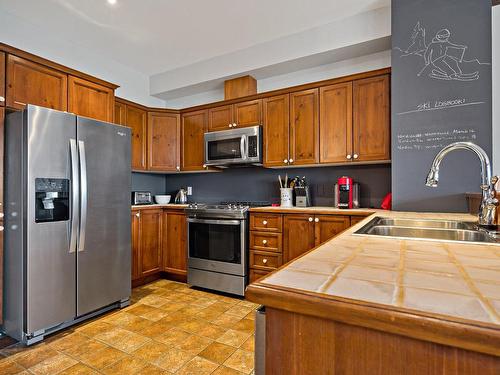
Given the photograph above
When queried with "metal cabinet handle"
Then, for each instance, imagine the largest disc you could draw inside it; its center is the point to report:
(138, 214)
(178, 168)
(264, 222)
(230, 125)
(20, 103)
(349, 157)
(285, 161)
(291, 161)
(264, 241)
(316, 220)
(310, 219)
(204, 165)
(2, 99)
(234, 125)
(1, 228)
(264, 260)
(355, 156)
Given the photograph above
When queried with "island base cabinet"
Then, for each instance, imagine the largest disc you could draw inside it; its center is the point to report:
(299, 344)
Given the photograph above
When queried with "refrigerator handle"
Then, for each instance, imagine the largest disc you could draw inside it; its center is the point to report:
(75, 181)
(83, 195)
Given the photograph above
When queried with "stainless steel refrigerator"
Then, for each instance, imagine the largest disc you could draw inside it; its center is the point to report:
(67, 221)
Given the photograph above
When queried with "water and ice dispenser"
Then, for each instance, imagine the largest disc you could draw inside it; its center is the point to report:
(51, 199)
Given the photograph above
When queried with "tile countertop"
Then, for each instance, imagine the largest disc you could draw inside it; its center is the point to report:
(151, 206)
(456, 283)
(316, 210)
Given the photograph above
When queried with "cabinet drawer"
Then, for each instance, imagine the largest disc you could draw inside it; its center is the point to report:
(256, 274)
(266, 222)
(265, 241)
(265, 260)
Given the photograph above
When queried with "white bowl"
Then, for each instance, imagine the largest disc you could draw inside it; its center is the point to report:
(162, 199)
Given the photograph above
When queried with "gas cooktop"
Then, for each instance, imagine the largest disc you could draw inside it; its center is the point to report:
(232, 209)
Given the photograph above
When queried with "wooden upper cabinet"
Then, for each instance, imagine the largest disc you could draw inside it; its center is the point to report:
(164, 134)
(248, 113)
(150, 242)
(328, 226)
(135, 222)
(120, 113)
(298, 235)
(276, 130)
(220, 118)
(304, 127)
(371, 126)
(174, 242)
(335, 121)
(136, 119)
(194, 126)
(2, 78)
(90, 99)
(32, 83)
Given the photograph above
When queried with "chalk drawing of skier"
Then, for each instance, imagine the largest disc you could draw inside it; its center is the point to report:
(443, 59)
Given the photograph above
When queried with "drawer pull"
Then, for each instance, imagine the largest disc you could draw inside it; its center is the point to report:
(264, 260)
(264, 222)
(264, 241)
(310, 219)
(2, 99)
(316, 220)
(138, 214)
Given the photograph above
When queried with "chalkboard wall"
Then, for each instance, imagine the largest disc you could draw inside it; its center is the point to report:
(260, 184)
(441, 93)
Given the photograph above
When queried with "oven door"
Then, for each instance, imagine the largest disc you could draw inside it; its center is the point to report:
(217, 245)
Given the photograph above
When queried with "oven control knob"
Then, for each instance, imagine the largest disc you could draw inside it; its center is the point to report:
(264, 241)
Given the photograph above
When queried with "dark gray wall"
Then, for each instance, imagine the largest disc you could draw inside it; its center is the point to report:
(260, 184)
(155, 183)
(431, 110)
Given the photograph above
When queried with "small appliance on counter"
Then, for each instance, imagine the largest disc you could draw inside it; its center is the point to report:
(346, 193)
(301, 189)
(181, 197)
(141, 197)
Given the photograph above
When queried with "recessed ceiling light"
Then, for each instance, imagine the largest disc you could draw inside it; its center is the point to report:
(112, 2)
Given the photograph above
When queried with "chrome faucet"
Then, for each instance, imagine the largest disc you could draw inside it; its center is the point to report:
(489, 202)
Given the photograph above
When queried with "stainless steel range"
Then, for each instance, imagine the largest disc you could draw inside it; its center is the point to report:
(218, 246)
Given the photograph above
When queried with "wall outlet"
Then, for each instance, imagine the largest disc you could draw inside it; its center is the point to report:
(189, 190)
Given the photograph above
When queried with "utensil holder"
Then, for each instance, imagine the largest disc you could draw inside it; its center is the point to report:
(286, 197)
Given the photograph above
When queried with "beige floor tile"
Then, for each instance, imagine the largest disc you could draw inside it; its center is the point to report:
(173, 337)
(173, 306)
(233, 338)
(241, 360)
(67, 340)
(209, 314)
(155, 301)
(150, 369)
(249, 344)
(139, 326)
(226, 320)
(140, 309)
(53, 365)
(223, 370)
(195, 344)
(239, 311)
(35, 356)
(102, 358)
(152, 351)
(198, 366)
(79, 369)
(87, 347)
(123, 318)
(217, 352)
(212, 331)
(174, 359)
(245, 325)
(125, 366)
(192, 325)
(9, 367)
(156, 329)
(95, 328)
(130, 342)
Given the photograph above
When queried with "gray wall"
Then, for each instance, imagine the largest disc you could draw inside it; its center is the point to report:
(429, 110)
(155, 183)
(260, 184)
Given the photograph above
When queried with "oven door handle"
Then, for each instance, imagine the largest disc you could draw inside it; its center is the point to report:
(213, 221)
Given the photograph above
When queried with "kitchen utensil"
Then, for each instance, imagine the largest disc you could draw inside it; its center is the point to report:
(181, 197)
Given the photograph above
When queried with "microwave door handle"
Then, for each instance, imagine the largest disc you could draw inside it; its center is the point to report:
(243, 147)
(75, 203)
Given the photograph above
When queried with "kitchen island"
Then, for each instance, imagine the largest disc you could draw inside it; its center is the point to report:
(361, 304)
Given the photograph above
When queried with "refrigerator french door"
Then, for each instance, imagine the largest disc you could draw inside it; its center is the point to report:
(67, 205)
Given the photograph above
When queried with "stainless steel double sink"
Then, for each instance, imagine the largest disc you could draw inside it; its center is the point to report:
(444, 230)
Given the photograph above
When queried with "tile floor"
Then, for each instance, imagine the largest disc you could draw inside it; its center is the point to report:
(168, 329)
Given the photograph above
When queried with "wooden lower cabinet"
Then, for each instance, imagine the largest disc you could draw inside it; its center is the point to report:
(256, 274)
(150, 242)
(357, 219)
(298, 235)
(2, 117)
(174, 242)
(90, 99)
(2, 79)
(136, 244)
(328, 226)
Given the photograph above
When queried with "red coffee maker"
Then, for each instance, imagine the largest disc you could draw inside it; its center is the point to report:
(346, 193)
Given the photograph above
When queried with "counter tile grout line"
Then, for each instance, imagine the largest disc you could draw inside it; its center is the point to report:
(399, 292)
(485, 302)
(342, 267)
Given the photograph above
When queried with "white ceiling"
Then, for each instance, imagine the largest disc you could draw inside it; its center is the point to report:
(154, 36)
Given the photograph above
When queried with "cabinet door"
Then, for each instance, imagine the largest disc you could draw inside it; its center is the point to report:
(371, 126)
(150, 242)
(357, 219)
(136, 243)
(31, 83)
(194, 125)
(248, 113)
(164, 135)
(2, 79)
(276, 130)
(90, 99)
(304, 127)
(174, 242)
(137, 121)
(328, 226)
(298, 235)
(335, 123)
(220, 118)
(2, 117)
(120, 113)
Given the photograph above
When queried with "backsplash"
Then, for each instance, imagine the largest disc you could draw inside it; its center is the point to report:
(260, 184)
(155, 183)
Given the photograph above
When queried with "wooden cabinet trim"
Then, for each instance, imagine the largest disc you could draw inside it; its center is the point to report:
(276, 130)
(74, 102)
(156, 252)
(273, 241)
(136, 120)
(266, 222)
(3, 72)
(172, 147)
(248, 113)
(215, 122)
(265, 260)
(187, 148)
(303, 128)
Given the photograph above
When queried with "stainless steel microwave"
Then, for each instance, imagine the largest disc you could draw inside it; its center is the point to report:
(234, 147)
